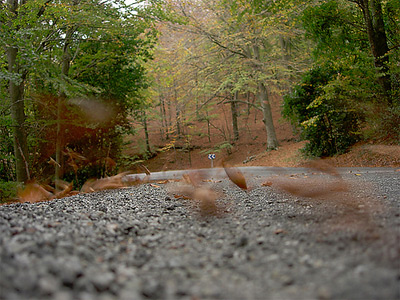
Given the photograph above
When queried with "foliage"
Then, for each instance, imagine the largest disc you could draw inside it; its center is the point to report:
(8, 190)
(383, 124)
(7, 172)
(222, 48)
(327, 120)
(224, 145)
(86, 58)
(341, 94)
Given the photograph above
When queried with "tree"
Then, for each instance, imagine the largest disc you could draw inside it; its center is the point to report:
(69, 50)
(328, 122)
(243, 34)
(373, 18)
(367, 81)
(16, 92)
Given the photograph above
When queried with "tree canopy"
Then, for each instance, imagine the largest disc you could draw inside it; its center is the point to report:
(75, 74)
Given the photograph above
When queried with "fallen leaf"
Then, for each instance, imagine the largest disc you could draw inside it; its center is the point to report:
(163, 181)
(94, 110)
(113, 182)
(53, 162)
(315, 188)
(235, 176)
(154, 185)
(193, 178)
(206, 198)
(211, 180)
(144, 169)
(182, 197)
(322, 166)
(67, 188)
(33, 192)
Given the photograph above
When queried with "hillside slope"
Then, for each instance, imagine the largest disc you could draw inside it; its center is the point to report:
(249, 150)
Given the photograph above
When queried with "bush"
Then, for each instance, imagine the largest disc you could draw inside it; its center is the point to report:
(384, 124)
(323, 115)
(8, 191)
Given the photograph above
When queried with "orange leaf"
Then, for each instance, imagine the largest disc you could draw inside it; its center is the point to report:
(182, 197)
(235, 176)
(34, 192)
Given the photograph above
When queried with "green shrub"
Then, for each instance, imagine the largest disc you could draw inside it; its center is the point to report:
(8, 190)
(384, 124)
(323, 113)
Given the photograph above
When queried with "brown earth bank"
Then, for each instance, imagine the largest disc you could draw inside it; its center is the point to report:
(287, 155)
(249, 149)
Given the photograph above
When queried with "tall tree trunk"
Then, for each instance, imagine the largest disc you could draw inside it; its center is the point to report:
(208, 125)
(272, 141)
(66, 63)
(177, 113)
(169, 122)
(248, 104)
(372, 11)
(235, 116)
(262, 94)
(146, 132)
(164, 113)
(163, 127)
(16, 91)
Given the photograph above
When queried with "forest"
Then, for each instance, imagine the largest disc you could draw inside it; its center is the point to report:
(81, 79)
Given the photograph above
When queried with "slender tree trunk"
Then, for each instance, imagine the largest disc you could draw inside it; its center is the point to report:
(177, 113)
(248, 104)
(16, 91)
(372, 11)
(59, 142)
(178, 120)
(66, 63)
(235, 116)
(208, 125)
(165, 121)
(169, 127)
(272, 141)
(146, 132)
(162, 115)
(262, 94)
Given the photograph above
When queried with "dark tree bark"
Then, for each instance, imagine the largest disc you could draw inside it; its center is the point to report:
(163, 127)
(235, 117)
(272, 141)
(16, 91)
(146, 132)
(65, 66)
(178, 113)
(373, 17)
(262, 95)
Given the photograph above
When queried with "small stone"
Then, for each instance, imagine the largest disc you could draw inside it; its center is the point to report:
(112, 228)
(153, 289)
(62, 296)
(26, 281)
(280, 231)
(48, 285)
(103, 281)
(243, 241)
(69, 270)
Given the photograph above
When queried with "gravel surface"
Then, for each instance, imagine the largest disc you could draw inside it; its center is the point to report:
(144, 243)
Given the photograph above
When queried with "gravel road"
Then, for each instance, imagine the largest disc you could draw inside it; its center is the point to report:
(147, 242)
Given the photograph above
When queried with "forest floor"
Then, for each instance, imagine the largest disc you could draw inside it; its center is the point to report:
(249, 150)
